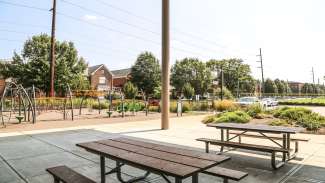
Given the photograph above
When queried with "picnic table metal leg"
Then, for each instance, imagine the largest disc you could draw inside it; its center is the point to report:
(222, 139)
(102, 169)
(195, 178)
(135, 179)
(288, 145)
(284, 146)
(178, 180)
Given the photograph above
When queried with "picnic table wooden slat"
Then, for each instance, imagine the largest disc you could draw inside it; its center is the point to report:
(150, 163)
(186, 160)
(175, 150)
(256, 128)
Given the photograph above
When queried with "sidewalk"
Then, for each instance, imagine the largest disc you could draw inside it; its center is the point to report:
(26, 154)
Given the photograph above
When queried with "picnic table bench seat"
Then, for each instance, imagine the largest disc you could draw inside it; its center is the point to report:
(226, 173)
(294, 139)
(253, 147)
(67, 175)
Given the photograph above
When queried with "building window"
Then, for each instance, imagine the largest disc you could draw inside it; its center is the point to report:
(103, 71)
(102, 80)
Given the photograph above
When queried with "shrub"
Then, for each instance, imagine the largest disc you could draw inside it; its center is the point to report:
(234, 117)
(227, 117)
(188, 91)
(255, 110)
(225, 105)
(130, 91)
(292, 113)
(209, 119)
(102, 106)
(280, 122)
(186, 107)
(302, 116)
(226, 93)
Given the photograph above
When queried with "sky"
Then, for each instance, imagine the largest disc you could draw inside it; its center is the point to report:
(291, 33)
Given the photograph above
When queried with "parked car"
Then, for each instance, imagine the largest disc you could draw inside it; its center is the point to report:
(246, 101)
(270, 102)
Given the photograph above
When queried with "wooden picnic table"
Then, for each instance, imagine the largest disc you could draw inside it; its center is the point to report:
(163, 160)
(263, 130)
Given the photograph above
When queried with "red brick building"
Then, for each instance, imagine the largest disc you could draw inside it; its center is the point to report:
(120, 77)
(101, 78)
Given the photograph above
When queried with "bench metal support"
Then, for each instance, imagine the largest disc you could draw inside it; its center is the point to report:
(273, 161)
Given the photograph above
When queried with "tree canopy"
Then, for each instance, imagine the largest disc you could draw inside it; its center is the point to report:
(130, 91)
(32, 66)
(234, 71)
(146, 73)
(270, 86)
(192, 71)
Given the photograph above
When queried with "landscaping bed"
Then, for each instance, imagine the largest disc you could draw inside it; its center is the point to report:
(305, 102)
(281, 116)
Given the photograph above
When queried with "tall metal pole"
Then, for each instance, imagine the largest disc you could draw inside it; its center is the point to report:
(262, 70)
(52, 63)
(165, 65)
(222, 83)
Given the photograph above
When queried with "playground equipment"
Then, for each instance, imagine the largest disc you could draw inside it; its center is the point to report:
(16, 102)
(48, 104)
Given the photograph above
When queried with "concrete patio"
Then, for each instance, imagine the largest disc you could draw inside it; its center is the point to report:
(25, 155)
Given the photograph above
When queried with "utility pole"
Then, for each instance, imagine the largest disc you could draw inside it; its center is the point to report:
(262, 70)
(313, 73)
(165, 65)
(222, 83)
(52, 63)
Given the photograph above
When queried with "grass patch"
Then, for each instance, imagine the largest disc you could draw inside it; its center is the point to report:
(228, 117)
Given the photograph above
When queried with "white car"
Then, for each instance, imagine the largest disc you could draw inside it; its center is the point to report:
(270, 102)
(246, 101)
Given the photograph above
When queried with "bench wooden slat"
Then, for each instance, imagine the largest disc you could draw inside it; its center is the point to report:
(243, 145)
(272, 137)
(175, 150)
(146, 162)
(226, 173)
(67, 175)
(186, 160)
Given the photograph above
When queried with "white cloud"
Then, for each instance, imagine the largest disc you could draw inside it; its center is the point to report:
(90, 17)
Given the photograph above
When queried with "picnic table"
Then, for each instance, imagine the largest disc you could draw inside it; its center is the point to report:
(264, 131)
(155, 158)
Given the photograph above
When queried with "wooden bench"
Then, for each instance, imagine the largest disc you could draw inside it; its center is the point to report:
(67, 175)
(226, 174)
(253, 147)
(296, 140)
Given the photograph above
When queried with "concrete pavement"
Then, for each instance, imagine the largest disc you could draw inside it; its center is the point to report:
(26, 154)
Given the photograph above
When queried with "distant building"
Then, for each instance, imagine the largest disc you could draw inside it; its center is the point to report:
(101, 78)
(2, 79)
(295, 86)
(120, 77)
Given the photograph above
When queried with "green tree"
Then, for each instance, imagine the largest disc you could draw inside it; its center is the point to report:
(270, 86)
(192, 71)
(188, 91)
(225, 92)
(146, 73)
(234, 70)
(280, 86)
(307, 88)
(130, 91)
(32, 66)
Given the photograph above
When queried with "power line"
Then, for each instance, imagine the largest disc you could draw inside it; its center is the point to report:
(107, 28)
(24, 6)
(110, 18)
(190, 35)
(132, 25)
